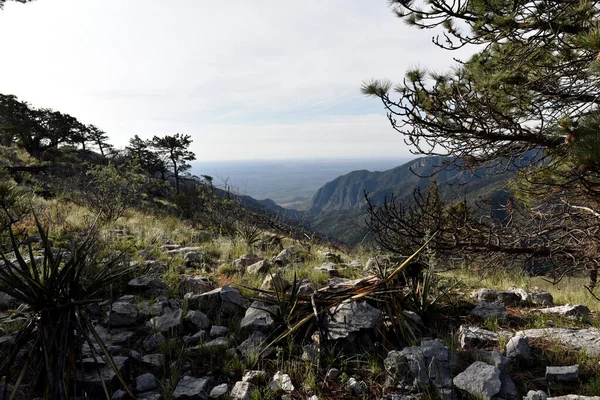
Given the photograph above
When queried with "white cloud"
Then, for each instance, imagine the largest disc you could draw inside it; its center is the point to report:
(157, 67)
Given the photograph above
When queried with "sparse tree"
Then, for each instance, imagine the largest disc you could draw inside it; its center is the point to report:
(175, 149)
(99, 138)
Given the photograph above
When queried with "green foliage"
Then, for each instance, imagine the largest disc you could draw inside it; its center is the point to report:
(250, 234)
(175, 149)
(56, 323)
(109, 191)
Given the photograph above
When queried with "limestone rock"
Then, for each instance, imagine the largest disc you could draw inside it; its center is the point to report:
(563, 374)
(196, 320)
(241, 391)
(122, 314)
(275, 282)
(568, 310)
(148, 286)
(480, 380)
(485, 310)
(473, 337)
(246, 260)
(351, 317)
(189, 388)
(518, 346)
(281, 381)
(197, 284)
(145, 382)
(166, 322)
(222, 302)
(418, 367)
(219, 391)
(260, 267)
(254, 377)
(576, 338)
(259, 317)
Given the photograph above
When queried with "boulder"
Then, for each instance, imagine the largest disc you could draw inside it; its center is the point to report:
(91, 381)
(479, 380)
(493, 358)
(166, 322)
(189, 388)
(181, 250)
(195, 338)
(473, 337)
(148, 286)
(275, 282)
(347, 318)
(254, 376)
(485, 310)
(122, 314)
(218, 331)
(219, 391)
(329, 268)
(355, 387)
(153, 342)
(485, 295)
(193, 259)
(241, 391)
(536, 395)
(285, 257)
(568, 310)
(563, 374)
(196, 320)
(576, 338)
(156, 360)
(259, 317)
(518, 346)
(145, 382)
(254, 345)
(245, 261)
(281, 382)
(223, 302)
(260, 267)
(419, 367)
(197, 284)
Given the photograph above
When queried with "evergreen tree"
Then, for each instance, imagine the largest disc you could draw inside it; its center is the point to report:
(175, 149)
(528, 98)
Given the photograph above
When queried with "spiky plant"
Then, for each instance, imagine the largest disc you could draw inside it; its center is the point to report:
(55, 293)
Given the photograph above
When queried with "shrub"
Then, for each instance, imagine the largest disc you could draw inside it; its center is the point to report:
(56, 294)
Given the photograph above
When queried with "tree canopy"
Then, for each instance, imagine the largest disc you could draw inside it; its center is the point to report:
(532, 88)
(175, 149)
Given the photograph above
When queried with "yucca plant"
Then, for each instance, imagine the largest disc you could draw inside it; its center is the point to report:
(250, 234)
(55, 293)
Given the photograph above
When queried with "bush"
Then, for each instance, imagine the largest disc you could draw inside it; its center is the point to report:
(55, 321)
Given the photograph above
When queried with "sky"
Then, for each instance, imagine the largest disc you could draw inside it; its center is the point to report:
(261, 79)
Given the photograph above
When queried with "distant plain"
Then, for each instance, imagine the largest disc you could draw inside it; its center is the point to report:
(289, 183)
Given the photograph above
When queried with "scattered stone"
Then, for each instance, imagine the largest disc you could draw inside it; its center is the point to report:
(333, 374)
(122, 314)
(281, 381)
(195, 338)
(574, 397)
(148, 286)
(254, 345)
(222, 302)
(196, 320)
(283, 258)
(310, 352)
(91, 381)
(241, 391)
(563, 374)
(328, 268)
(219, 391)
(306, 288)
(351, 317)
(355, 387)
(485, 295)
(508, 388)
(255, 377)
(567, 310)
(419, 367)
(215, 344)
(153, 342)
(196, 284)
(158, 308)
(576, 338)
(493, 358)
(182, 250)
(509, 299)
(218, 331)
(275, 282)
(154, 360)
(193, 258)
(518, 346)
(260, 267)
(543, 299)
(245, 261)
(470, 337)
(480, 380)
(189, 388)
(485, 310)
(145, 382)
(259, 317)
(536, 395)
(166, 322)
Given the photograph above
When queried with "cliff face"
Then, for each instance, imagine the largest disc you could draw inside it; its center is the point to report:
(347, 191)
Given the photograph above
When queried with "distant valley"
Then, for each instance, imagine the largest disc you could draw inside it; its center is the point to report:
(289, 183)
